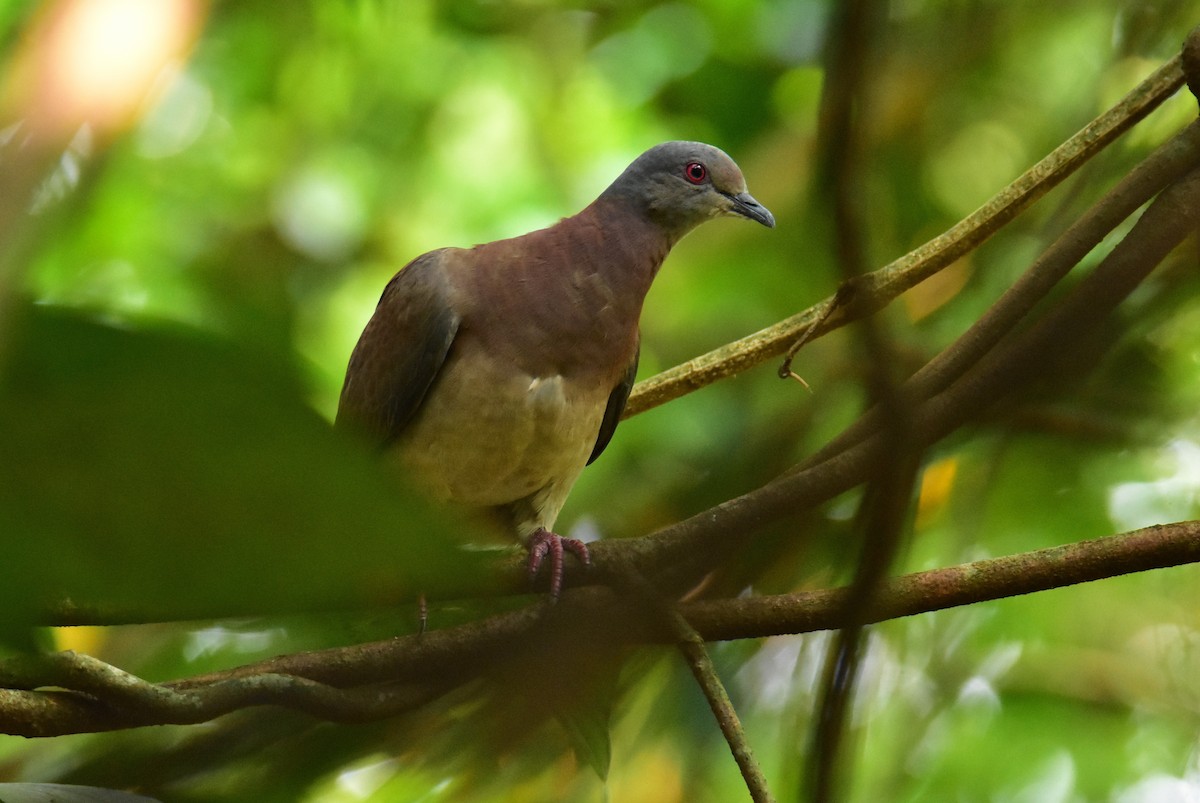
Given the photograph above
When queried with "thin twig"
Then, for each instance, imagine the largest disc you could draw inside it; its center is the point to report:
(878, 288)
(629, 581)
(692, 646)
(785, 368)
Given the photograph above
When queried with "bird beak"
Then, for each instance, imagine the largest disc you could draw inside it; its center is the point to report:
(744, 204)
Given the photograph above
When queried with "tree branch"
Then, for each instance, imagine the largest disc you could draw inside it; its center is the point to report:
(694, 652)
(1156, 547)
(1168, 162)
(694, 544)
(101, 697)
(633, 586)
(876, 289)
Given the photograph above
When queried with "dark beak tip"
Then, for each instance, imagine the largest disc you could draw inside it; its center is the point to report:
(745, 205)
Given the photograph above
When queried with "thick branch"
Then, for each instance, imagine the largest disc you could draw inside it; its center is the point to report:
(423, 666)
(102, 697)
(1156, 547)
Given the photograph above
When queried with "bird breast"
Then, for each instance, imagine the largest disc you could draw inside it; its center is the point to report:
(490, 436)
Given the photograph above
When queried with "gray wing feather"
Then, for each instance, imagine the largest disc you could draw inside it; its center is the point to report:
(400, 352)
(615, 406)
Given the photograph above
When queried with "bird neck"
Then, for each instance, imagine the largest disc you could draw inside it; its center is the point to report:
(578, 287)
(627, 248)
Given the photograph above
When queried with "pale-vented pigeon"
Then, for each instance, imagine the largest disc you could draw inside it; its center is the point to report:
(496, 373)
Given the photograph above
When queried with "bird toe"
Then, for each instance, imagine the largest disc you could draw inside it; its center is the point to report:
(545, 544)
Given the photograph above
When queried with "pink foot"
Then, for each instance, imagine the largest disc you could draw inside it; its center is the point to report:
(544, 543)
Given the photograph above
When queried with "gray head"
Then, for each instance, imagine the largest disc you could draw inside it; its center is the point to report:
(680, 185)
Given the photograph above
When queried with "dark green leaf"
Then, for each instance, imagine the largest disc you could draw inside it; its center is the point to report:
(161, 471)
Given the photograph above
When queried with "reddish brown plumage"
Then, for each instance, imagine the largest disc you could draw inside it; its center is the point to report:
(495, 373)
(563, 300)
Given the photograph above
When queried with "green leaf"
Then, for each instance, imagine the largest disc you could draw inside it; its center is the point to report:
(587, 726)
(158, 470)
(65, 793)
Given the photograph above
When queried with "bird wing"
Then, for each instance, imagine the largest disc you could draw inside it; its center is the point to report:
(615, 406)
(400, 351)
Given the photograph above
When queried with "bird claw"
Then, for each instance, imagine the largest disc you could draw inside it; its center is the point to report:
(543, 544)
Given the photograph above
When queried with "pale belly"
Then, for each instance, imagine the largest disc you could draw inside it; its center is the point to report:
(486, 437)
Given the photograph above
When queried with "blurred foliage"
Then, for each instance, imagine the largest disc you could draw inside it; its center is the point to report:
(199, 478)
(212, 269)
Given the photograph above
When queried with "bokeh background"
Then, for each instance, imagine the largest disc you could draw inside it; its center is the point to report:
(298, 154)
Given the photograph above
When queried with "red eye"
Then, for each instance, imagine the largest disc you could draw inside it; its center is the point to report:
(695, 172)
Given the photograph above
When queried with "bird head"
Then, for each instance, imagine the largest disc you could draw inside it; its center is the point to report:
(679, 185)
